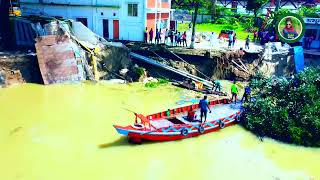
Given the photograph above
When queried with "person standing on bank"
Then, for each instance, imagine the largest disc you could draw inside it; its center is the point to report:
(176, 38)
(247, 43)
(234, 92)
(145, 35)
(212, 39)
(150, 36)
(230, 40)
(204, 107)
(184, 39)
(157, 37)
(246, 94)
(166, 36)
(171, 37)
(234, 39)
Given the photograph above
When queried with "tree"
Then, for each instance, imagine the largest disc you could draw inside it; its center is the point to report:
(192, 4)
(255, 6)
(4, 19)
(286, 109)
(214, 10)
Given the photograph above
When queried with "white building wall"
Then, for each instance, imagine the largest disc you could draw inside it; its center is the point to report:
(130, 28)
(108, 14)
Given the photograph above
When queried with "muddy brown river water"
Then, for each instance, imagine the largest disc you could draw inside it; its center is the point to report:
(65, 132)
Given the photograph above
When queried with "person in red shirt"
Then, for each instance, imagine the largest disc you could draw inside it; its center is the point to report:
(288, 31)
(184, 39)
(191, 114)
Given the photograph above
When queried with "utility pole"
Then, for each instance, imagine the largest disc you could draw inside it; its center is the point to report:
(5, 27)
(194, 21)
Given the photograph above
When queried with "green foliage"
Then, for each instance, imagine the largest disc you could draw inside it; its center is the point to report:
(231, 21)
(209, 27)
(156, 84)
(140, 71)
(312, 12)
(221, 21)
(255, 5)
(287, 110)
(190, 4)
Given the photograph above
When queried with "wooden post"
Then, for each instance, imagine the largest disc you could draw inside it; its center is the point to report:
(95, 69)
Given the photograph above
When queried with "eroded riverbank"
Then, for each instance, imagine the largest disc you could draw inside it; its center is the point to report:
(65, 132)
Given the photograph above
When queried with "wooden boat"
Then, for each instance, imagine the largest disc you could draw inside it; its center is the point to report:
(159, 127)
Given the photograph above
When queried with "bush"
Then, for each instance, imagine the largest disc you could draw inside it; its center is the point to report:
(232, 20)
(287, 110)
(312, 12)
(221, 21)
(156, 84)
(139, 71)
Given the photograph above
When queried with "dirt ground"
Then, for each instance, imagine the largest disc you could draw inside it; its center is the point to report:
(216, 64)
(19, 67)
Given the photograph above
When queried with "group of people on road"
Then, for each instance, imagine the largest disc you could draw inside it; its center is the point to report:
(232, 39)
(170, 37)
(264, 36)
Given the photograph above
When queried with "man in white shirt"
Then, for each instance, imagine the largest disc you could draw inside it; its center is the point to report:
(213, 38)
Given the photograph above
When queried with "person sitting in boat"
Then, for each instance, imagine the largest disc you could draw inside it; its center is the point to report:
(204, 107)
(190, 116)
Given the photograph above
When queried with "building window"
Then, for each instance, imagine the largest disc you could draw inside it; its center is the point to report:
(133, 10)
(84, 21)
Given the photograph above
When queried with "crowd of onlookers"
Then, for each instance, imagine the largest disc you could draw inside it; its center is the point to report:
(170, 37)
(264, 37)
(175, 38)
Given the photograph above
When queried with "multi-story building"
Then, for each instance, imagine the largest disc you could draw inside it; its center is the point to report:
(111, 19)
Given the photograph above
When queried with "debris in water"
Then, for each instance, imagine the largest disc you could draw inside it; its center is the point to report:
(15, 130)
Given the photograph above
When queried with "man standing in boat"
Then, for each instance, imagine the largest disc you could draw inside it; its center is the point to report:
(204, 106)
(234, 92)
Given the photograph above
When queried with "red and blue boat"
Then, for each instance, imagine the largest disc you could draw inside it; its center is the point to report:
(162, 127)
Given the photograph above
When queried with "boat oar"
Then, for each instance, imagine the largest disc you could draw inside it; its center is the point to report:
(136, 114)
(129, 110)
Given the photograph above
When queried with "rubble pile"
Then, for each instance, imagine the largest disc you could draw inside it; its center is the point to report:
(18, 68)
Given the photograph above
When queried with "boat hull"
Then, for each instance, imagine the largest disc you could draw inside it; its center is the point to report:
(178, 130)
(172, 137)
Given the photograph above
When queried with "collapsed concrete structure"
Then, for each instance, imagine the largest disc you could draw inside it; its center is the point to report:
(67, 51)
(59, 60)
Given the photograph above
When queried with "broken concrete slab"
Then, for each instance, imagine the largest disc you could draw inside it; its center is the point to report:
(57, 60)
(84, 34)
